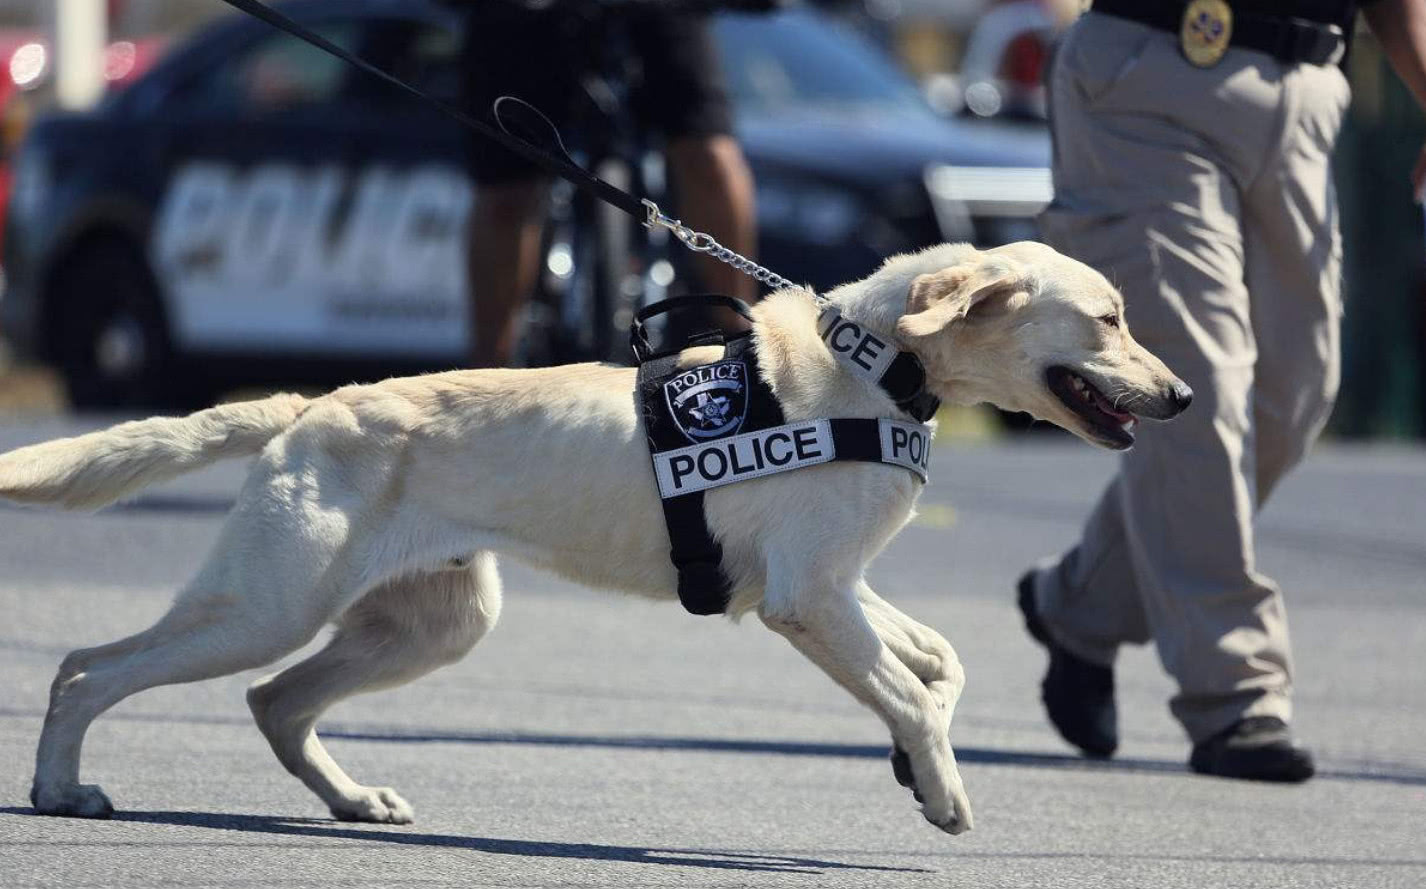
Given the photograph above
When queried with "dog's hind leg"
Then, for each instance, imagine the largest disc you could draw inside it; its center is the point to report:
(827, 623)
(273, 579)
(396, 633)
(199, 638)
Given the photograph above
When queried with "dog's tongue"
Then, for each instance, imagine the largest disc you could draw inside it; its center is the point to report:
(1103, 404)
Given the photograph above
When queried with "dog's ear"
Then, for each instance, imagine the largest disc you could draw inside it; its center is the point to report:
(939, 299)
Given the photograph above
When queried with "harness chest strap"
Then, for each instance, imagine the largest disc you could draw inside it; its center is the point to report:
(686, 474)
(701, 467)
(718, 423)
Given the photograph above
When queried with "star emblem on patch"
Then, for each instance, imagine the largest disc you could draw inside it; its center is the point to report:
(708, 401)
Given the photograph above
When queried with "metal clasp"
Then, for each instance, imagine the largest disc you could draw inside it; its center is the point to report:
(656, 218)
(701, 242)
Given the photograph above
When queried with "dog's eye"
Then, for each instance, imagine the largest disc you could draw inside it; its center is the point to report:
(1110, 320)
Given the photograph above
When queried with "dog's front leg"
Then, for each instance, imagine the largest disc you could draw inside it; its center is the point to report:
(924, 651)
(828, 625)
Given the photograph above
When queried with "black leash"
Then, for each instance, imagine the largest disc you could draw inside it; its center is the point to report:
(524, 130)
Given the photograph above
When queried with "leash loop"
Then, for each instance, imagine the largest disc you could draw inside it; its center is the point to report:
(535, 129)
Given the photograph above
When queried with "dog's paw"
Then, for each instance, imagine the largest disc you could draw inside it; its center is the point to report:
(953, 816)
(901, 769)
(953, 825)
(379, 805)
(71, 801)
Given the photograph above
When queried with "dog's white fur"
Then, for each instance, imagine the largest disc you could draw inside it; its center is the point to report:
(380, 507)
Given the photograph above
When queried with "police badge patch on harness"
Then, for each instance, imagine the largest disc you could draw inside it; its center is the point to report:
(710, 400)
(719, 423)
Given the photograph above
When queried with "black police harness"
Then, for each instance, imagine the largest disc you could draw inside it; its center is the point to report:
(718, 423)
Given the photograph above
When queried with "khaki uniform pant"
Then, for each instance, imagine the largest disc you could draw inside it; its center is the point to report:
(1205, 195)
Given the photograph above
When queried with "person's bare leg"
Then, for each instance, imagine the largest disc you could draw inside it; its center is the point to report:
(715, 189)
(503, 260)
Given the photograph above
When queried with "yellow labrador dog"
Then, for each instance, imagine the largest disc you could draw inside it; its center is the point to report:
(380, 508)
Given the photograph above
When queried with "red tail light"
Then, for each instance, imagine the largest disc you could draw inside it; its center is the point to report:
(1024, 61)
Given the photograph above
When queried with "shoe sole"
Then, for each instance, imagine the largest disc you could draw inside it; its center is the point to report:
(1296, 770)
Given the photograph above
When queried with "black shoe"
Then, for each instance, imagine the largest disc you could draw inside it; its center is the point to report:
(1078, 694)
(1258, 748)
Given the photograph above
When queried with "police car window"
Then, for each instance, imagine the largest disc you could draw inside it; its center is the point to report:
(275, 73)
(780, 62)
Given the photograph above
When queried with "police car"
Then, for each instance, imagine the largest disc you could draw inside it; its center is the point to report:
(254, 211)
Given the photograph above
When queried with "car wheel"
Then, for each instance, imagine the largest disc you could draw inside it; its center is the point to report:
(110, 337)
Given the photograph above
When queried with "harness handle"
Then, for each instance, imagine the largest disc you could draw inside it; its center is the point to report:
(639, 335)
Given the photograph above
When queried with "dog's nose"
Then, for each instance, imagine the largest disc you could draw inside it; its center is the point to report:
(1180, 395)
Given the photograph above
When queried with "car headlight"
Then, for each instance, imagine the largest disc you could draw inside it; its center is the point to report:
(959, 194)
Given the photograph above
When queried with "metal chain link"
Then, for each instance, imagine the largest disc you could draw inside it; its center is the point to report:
(701, 242)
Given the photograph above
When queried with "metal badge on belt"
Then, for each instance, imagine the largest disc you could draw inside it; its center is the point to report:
(1207, 27)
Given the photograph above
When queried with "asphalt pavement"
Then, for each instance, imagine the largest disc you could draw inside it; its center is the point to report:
(594, 740)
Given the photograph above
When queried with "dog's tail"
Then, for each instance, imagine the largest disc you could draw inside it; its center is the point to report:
(90, 471)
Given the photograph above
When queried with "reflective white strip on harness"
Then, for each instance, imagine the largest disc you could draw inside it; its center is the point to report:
(907, 445)
(780, 449)
(859, 350)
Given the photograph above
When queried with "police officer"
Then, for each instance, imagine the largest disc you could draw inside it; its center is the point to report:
(537, 50)
(1192, 148)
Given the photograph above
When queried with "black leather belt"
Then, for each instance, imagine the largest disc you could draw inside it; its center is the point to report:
(1286, 38)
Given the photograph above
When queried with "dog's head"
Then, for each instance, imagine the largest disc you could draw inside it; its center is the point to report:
(1029, 329)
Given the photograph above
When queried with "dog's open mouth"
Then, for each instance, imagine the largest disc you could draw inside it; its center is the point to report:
(1106, 423)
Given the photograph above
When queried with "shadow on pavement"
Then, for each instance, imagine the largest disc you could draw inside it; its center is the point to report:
(320, 828)
(1285, 860)
(190, 504)
(1397, 774)
(1407, 774)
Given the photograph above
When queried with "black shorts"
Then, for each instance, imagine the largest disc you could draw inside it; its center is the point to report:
(543, 57)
